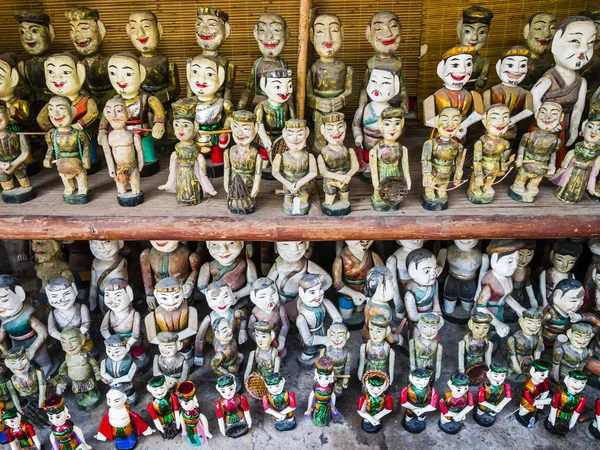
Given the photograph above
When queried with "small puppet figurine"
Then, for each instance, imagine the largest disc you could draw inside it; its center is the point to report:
(567, 404)
(466, 265)
(313, 308)
(574, 353)
(173, 314)
(124, 153)
(388, 161)
(561, 312)
(120, 424)
(122, 319)
(455, 69)
(382, 86)
(170, 362)
(65, 312)
(526, 345)
(220, 300)
(538, 34)
(20, 434)
(27, 386)
(384, 32)
(65, 435)
(473, 30)
(522, 286)
(379, 290)
(230, 266)
(511, 69)
(490, 155)
(424, 350)
(242, 168)
(163, 408)
(187, 166)
(374, 403)
(496, 285)
(108, 265)
(194, 424)
(418, 398)
(233, 414)
(336, 349)
(20, 328)
(205, 77)
(330, 84)
(212, 29)
(493, 396)
(442, 160)
(17, 106)
(376, 353)
(321, 401)
(400, 277)
(475, 348)
(579, 170)
(168, 259)
(119, 368)
(421, 294)
(279, 402)
(267, 308)
(81, 369)
(350, 270)
(14, 152)
(162, 76)
(456, 404)
(69, 148)
(337, 165)
(564, 256)
(49, 263)
(226, 360)
(265, 357)
(271, 33)
(295, 168)
(127, 75)
(536, 393)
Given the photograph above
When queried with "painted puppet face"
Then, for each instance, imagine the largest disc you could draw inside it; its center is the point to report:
(573, 385)
(271, 33)
(117, 300)
(456, 71)
(63, 299)
(466, 244)
(35, 38)
(169, 300)
(18, 365)
(61, 112)
(292, 251)
(312, 296)
(448, 124)
(266, 299)
(243, 132)
(384, 32)
(359, 246)
(223, 332)
(569, 301)
(540, 33)
(220, 299)
(337, 337)
(276, 389)
(87, 36)
(591, 131)
(530, 326)
(125, 75)
(116, 352)
(59, 418)
(8, 80)
(538, 376)
(418, 382)
(115, 398)
(144, 31)
(506, 264)
(295, 138)
(168, 350)
(473, 34)
(278, 90)
(574, 48)
(263, 340)
(117, 113)
(334, 132)
(324, 379)
(184, 129)
(391, 129)
(549, 116)
(496, 120)
(428, 330)
(383, 85)
(496, 378)
(227, 392)
(72, 343)
(563, 263)
(44, 250)
(158, 391)
(424, 273)
(225, 252)
(525, 256)
(105, 249)
(479, 330)
(326, 35)
(165, 246)
(211, 31)
(513, 70)
(204, 77)
(377, 333)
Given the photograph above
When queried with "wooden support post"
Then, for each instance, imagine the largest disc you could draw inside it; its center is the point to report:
(301, 71)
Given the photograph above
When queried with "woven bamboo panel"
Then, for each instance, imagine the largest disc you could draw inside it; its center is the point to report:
(439, 31)
(178, 19)
(356, 50)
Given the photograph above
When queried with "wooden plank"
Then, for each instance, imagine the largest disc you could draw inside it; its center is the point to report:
(160, 217)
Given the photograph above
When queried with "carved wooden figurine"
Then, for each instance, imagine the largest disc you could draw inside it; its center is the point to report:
(475, 348)
(168, 259)
(49, 263)
(119, 368)
(20, 434)
(227, 359)
(127, 75)
(69, 149)
(163, 408)
(526, 345)
(563, 257)
(279, 402)
(124, 153)
(20, 327)
(455, 404)
(421, 294)
(337, 165)
(120, 424)
(567, 404)
(538, 34)
(424, 350)
(574, 353)
(194, 424)
(295, 168)
(388, 160)
(321, 401)
(442, 160)
(108, 264)
(493, 396)
(233, 414)
(376, 353)
(379, 290)
(473, 30)
(170, 362)
(330, 83)
(490, 155)
(80, 368)
(27, 386)
(271, 33)
(536, 157)
(374, 403)
(265, 357)
(242, 165)
(14, 152)
(418, 398)
(268, 308)
(336, 349)
(536, 393)
(397, 265)
(65, 435)
(561, 311)
(455, 70)
(578, 172)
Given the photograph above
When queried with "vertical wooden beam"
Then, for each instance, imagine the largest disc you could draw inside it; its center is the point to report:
(301, 71)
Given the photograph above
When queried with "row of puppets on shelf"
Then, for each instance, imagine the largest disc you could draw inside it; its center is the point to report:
(122, 102)
(396, 303)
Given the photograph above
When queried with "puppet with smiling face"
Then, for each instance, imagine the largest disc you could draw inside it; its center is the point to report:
(538, 34)
(473, 30)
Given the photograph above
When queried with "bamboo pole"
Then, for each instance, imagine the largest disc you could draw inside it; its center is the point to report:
(305, 6)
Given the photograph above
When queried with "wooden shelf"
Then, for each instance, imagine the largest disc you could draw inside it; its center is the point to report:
(48, 217)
